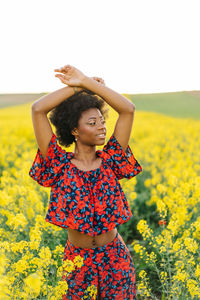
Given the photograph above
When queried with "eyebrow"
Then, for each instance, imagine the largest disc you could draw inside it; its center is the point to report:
(95, 117)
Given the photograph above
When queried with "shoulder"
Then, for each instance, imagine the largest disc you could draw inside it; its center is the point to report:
(113, 147)
(59, 150)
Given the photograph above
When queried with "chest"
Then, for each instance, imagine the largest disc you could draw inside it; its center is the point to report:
(97, 163)
(89, 186)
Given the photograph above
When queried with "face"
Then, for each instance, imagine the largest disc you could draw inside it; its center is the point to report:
(90, 126)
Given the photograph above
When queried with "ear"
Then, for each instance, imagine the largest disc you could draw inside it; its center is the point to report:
(74, 131)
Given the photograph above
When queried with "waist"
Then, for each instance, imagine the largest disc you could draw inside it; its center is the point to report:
(83, 240)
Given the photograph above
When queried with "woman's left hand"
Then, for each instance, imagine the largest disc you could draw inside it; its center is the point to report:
(99, 80)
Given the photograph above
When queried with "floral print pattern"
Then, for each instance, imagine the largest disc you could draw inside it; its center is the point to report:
(105, 272)
(93, 201)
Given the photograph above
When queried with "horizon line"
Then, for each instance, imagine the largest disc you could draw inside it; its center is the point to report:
(36, 93)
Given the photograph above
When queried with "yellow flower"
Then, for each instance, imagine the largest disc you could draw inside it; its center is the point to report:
(58, 250)
(144, 229)
(177, 246)
(181, 276)
(191, 245)
(137, 248)
(159, 239)
(152, 257)
(143, 274)
(163, 249)
(193, 288)
(21, 266)
(68, 265)
(59, 290)
(163, 276)
(143, 285)
(33, 284)
(45, 253)
(179, 264)
(197, 271)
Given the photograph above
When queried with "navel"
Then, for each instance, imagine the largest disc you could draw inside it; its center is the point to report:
(93, 242)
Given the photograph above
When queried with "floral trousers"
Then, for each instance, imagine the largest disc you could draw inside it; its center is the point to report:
(105, 272)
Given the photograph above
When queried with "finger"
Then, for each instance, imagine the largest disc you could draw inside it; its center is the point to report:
(61, 70)
(63, 80)
(67, 67)
(96, 78)
(62, 73)
(100, 79)
(60, 76)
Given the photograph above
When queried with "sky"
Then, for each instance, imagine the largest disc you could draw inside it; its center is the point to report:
(136, 46)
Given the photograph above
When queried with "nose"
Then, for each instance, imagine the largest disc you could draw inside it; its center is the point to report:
(102, 128)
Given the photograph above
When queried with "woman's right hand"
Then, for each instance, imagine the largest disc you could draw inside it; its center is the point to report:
(73, 77)
(70, 75)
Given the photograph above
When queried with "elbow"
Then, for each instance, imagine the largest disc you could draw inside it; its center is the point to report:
(35, 107)
(128, 110)
(132, 108)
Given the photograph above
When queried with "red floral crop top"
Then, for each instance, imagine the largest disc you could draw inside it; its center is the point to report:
(93, 201)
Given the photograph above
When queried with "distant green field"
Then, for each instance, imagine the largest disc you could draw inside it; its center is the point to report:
(17, 99)
(184, 104)
(177, 104)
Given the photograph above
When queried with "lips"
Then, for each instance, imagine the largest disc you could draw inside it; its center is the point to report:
(101, 134)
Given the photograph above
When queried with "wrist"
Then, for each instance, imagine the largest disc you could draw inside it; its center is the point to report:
(90, 84)
(76, 89)
(84, 82)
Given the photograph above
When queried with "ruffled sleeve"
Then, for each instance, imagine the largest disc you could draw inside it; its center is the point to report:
(123, 164)
(46, 171)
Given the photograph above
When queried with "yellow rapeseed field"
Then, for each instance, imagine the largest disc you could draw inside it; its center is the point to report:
(31, 250)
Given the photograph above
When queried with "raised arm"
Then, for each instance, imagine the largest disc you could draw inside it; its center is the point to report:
(121, 104)
(41, 107)
(39, 110)
(48, 102)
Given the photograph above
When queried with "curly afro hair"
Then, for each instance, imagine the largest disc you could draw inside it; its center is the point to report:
(66, 115)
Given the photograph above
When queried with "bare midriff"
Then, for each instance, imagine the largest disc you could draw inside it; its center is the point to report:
(83, 240)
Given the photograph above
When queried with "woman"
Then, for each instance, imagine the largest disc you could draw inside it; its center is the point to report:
(86, 196)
